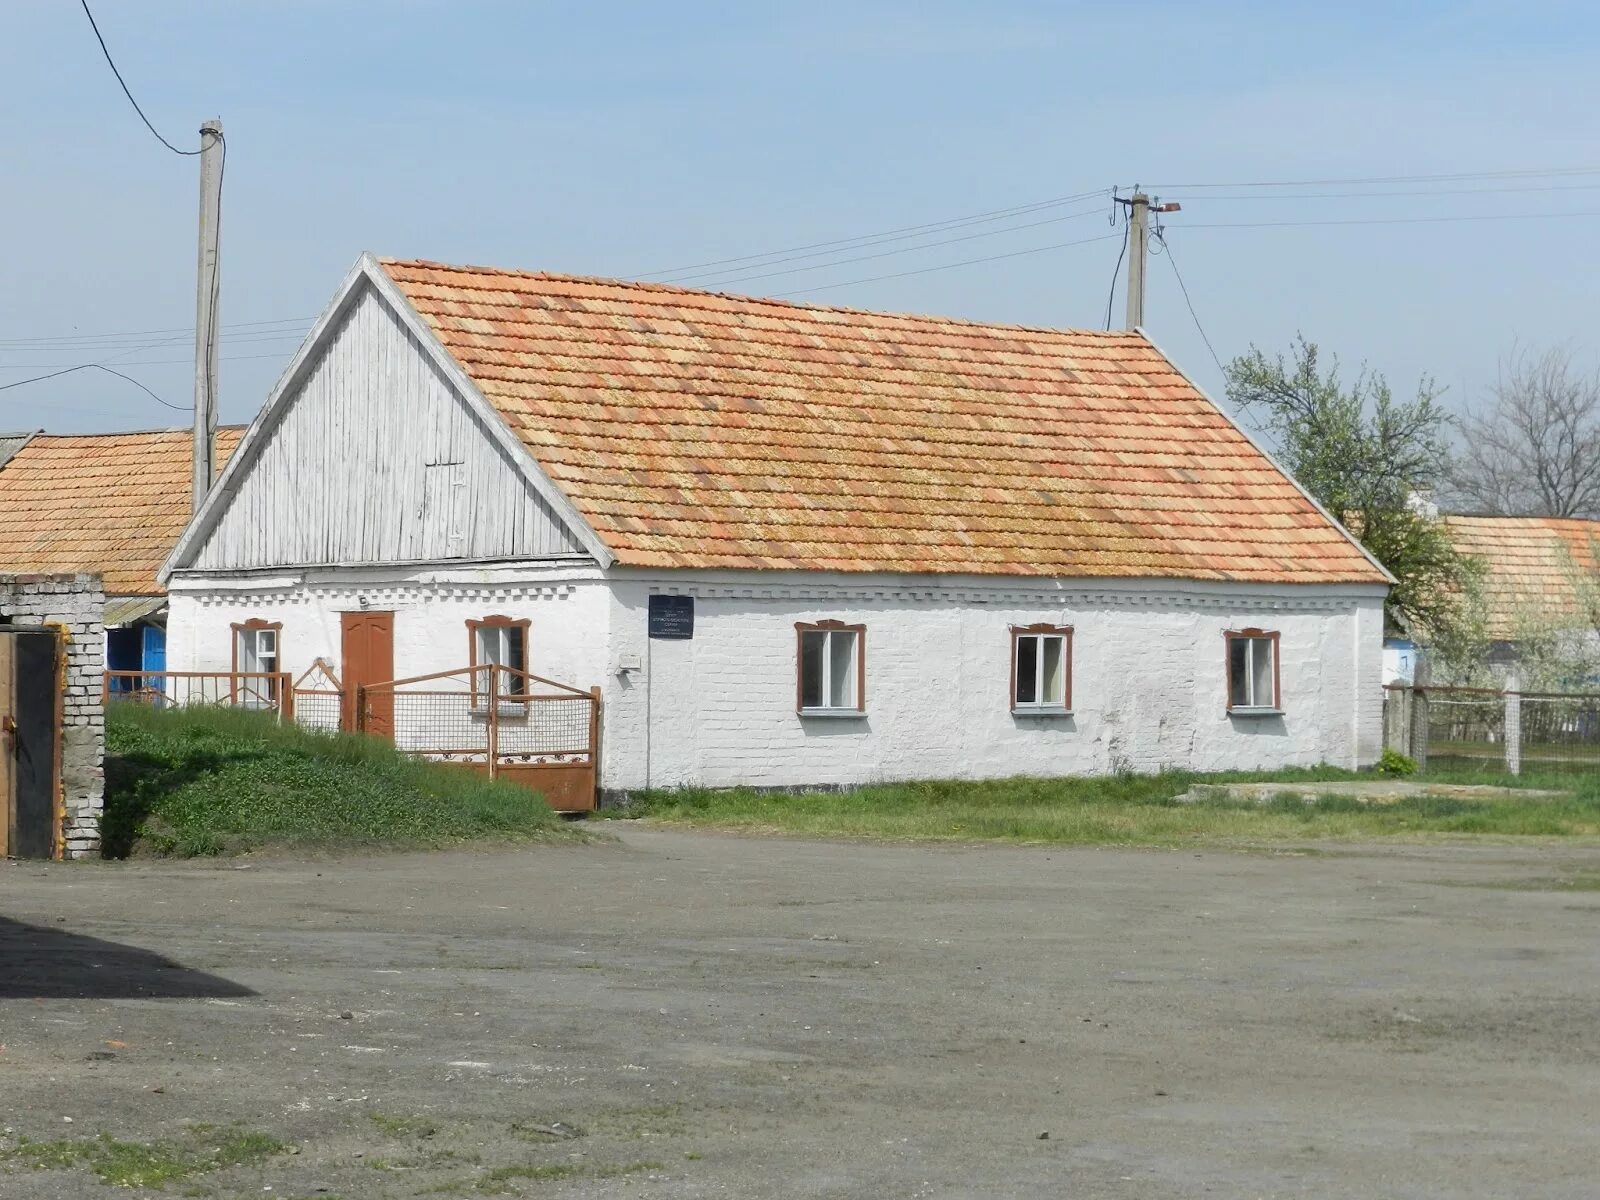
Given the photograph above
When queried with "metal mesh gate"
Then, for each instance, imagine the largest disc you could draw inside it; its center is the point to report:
(506, 723)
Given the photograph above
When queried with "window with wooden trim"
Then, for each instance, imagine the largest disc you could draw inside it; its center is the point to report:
(1253, 671)
(500, 642)
(1041, 669)
(256, 650)
(831, 669)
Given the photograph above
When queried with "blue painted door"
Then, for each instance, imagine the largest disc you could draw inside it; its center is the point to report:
(154, 650)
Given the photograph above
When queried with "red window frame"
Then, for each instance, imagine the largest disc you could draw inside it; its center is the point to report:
(1271, 635)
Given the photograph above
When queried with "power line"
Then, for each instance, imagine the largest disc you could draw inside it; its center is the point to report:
(1458, 177)
(839, 262)
(947, 266)
(1489, 191)
(94, 367)
(1111, 296)
(1534, 216)
(885, 235)
(113, 65)
(152, 362)
(1161, 237)
(142, 333)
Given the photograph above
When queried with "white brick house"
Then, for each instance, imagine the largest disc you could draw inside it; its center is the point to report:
(914, 547)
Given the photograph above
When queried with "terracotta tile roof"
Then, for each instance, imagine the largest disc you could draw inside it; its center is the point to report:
(694, 429)
(113, 503)
(1531, 563)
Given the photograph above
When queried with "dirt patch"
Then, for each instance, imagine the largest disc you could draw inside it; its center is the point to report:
(686, 1014)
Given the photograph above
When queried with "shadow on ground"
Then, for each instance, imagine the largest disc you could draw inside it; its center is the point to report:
(37, 962)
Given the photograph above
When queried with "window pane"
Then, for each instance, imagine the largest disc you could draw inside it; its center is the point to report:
(516, 651)
(1261, 672)
(1027, 670)
(1054, 689)
(841, 669)
(812, 644)
(488, 645)
(1238, 672)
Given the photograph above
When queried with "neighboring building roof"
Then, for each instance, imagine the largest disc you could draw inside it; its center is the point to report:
(693, 429)
(112, 503)
(1532, 564)
(125, 610)
(10, 443)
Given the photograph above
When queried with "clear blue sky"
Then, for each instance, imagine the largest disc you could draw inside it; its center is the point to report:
(625, 139)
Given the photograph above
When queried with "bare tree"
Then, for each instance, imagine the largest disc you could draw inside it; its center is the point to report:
(1535, 450)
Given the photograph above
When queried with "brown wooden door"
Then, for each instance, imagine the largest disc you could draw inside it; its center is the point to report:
(368, 654)
(8, 744)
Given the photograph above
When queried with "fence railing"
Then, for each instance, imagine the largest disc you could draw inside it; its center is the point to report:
(1476, 726)
(265, 690)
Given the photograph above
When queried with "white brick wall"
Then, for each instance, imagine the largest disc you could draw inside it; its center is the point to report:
(1148, 671)
(76, 605)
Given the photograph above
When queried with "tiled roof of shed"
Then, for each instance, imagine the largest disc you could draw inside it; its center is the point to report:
(1532, 563)
(112, 503)
(694, 429)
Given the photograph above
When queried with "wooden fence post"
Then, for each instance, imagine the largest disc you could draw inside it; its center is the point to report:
(594, 742)
(494, 720)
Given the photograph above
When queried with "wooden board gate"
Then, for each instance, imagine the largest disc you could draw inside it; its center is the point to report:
(502, 722)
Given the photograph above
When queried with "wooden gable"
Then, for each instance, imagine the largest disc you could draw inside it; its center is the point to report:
(370, 453)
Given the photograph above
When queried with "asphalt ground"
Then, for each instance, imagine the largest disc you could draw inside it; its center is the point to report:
(685, 1014)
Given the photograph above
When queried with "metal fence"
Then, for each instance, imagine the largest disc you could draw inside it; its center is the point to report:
(1512, 731)
(498, 720)
(319, 699)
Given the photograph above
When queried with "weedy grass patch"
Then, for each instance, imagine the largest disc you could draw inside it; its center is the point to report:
(1136, 810)
(122, 1163)
(211, 780)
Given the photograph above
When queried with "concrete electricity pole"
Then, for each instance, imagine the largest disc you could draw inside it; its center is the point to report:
(1139, 210)
(1138, 243)
(205, 316)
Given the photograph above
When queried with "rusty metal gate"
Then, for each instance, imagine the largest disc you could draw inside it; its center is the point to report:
(505, 723)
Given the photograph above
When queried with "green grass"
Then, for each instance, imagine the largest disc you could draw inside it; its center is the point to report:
(1132, 810)
(148, 1164)
(212, 780)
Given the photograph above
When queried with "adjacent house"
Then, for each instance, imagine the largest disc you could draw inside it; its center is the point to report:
(108, 504)
(791, 545)
(1541, 574)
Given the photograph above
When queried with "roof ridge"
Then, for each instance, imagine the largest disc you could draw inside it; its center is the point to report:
(111, 433)
(674, 289)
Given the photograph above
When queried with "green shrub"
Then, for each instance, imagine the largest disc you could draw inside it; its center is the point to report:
(211, 780)
(1392, 762)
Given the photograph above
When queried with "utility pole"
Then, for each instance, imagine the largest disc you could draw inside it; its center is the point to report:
(205, 315)
(1139, 209)
(1138, 243)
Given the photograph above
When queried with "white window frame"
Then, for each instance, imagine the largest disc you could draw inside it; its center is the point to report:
(855, 693)
(1254, 640)
(1041, 706)
(251, 660)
